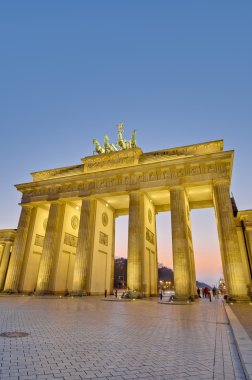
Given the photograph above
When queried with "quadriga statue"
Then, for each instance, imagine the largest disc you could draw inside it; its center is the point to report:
(121, 143)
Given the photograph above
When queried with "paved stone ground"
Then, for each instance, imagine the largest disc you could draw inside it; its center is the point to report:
(87, 338)
(244, 314)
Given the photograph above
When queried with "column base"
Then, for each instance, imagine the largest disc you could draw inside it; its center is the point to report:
(43, 293)
(237, 299)
(9, 291)
(78, 293)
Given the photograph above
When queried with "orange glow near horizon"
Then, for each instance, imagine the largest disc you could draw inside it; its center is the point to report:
(205, 241)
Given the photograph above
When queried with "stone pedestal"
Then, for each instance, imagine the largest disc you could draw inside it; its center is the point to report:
(136, 247)
(15, 265)
(183, 259)
(4, 263)
(230, 252)
(84, 251)
(51, 242)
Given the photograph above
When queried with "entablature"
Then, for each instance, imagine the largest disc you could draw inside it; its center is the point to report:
(210, 167)
(7, 235)
(245, 216)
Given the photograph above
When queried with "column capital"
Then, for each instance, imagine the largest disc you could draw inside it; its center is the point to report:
(86, 197)
(248, 225)
(177, 187)
(9, 242)
(247, 221)
(136, 192)
(221, 181)
(57, 202)
(26, 205)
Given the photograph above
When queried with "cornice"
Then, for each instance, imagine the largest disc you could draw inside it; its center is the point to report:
(189, 150)
(138, 180)
(177, 164)
(246, 217)
(7, 235)
(131, 157)
(57, 172)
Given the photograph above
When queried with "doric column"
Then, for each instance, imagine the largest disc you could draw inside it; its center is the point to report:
(1, 250)
(5, 262)
(135, 241)
(248, 235)
(51, 243)
(14, 270)
(154, 266)
(113, 259)
(183, 260)
(230, 252)
(84, 251)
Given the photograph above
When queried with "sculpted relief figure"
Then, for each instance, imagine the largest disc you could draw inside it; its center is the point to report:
(107, 146)
(98, 148)
(123, 143)
(133, 141)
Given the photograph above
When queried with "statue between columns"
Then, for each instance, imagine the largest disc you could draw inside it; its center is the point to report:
(121, 143)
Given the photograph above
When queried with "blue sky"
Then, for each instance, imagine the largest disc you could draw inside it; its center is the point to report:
(177, 71)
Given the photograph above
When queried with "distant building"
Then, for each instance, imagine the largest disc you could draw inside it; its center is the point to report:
(165, 278)
(165, 275)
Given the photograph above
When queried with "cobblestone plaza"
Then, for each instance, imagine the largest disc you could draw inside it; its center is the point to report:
(88, 338)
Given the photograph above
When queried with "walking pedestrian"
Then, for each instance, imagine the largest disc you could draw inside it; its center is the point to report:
(161, 295)
(214, 291)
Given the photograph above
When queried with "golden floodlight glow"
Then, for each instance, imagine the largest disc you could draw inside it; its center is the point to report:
(136, 184)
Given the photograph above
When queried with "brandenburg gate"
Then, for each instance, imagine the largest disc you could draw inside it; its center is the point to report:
(65, 239)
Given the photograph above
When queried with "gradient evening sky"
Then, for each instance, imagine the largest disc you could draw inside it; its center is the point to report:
(177, 71)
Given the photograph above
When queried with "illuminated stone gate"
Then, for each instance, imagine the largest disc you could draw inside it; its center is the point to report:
(65, 241)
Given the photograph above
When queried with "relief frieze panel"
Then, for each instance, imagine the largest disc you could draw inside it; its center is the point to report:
(210, 147)
(70, 240)
(103, 238)
(150, 237)
(112, 161)
(39, 240)
(95, 166)
(154, 177)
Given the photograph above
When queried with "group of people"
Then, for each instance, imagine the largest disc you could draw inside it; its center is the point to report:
(207, 293)
(204, 292)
